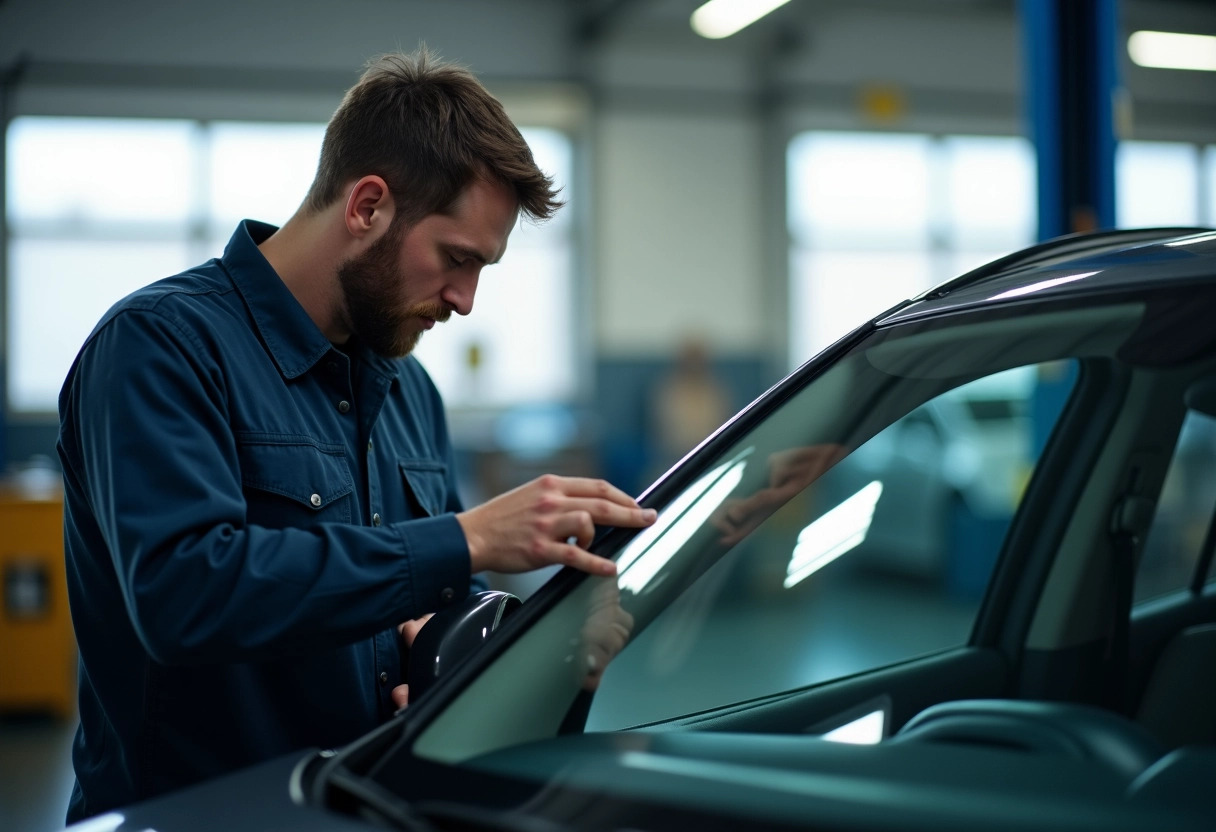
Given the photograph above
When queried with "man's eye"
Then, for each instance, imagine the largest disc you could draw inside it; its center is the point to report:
(454, 263)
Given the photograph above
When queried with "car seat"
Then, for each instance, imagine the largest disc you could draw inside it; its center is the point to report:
(1179, 703)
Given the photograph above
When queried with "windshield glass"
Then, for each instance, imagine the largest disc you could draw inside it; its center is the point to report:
(829, 484)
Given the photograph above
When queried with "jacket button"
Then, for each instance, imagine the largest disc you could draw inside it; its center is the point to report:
(383, 678)
(315, 499)
(369, 446)
(375, 519)
(344, 405)
(447, 594)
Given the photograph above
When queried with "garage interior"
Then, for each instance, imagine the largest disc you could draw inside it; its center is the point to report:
(734, 206)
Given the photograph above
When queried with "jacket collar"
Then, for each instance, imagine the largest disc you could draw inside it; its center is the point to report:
(291, 337)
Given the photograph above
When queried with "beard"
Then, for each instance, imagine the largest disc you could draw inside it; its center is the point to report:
(373, 289)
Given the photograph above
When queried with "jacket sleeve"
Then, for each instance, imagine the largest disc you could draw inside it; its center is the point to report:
(144, 422)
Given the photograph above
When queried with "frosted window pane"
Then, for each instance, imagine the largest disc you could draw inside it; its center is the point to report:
(99, 170)
(521, 323)
(990, 191)
(859, 189)
(1209, 218)
(1156, 184)
(961, 262)
(57, 292)
(522, 329)
(835, 292)
(552, 151)
(261, 171)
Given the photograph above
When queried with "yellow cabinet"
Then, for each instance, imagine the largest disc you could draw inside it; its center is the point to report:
(37, 645)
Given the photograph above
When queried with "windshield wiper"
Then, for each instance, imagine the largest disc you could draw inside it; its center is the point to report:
(351, 794)
(361, 797)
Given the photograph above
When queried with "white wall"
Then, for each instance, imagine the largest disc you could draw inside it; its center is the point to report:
(680, 234)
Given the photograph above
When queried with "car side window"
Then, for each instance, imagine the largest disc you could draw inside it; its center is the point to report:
(1184, 512)
(884, 557)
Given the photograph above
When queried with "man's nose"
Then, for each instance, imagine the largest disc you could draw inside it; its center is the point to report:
(458, 294)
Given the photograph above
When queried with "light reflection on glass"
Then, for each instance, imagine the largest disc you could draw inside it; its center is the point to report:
(1041, 285)
(866, 730)
(833, 534)
(1193, 241)
(102, 823)
(650, 550)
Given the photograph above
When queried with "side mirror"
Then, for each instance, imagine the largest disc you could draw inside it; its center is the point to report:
(454, 633)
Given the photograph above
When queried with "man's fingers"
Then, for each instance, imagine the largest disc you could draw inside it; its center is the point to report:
(577, 527)
(583, 487)
(409, 629)
(401, 696)
(607, 513)
(570, 555)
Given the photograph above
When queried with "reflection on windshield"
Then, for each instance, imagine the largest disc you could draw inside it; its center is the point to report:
(653, 548)
(866, 730)
(605, 633)
(102, 823)
(1040, 286)
(833, 534)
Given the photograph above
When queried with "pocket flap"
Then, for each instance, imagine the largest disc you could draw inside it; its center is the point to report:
(311, 473)
(426, 481)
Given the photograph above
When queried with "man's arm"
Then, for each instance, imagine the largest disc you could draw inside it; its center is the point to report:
(158, 460)
(147, 421)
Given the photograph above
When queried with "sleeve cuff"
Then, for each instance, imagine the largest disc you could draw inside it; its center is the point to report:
(437, 555)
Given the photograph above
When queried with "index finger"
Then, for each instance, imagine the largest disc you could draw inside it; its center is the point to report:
(605, 513)
(587, 487)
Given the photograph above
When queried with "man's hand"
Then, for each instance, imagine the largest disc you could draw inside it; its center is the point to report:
(529, 527)
(408, 631)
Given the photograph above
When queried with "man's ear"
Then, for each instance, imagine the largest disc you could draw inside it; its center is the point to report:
(369, 208)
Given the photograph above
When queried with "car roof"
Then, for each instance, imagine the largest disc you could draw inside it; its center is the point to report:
(1076, 265)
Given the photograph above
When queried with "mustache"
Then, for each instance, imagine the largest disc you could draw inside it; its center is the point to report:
(435, 311)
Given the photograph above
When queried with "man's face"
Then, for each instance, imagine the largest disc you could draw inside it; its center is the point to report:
(413, 277)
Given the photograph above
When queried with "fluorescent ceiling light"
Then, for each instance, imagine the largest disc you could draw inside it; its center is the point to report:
(1171, 50)
(722, 18)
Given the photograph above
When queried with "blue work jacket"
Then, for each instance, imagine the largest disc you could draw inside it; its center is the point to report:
(248, 513)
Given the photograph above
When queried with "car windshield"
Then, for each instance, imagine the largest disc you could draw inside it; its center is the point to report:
(825, 481)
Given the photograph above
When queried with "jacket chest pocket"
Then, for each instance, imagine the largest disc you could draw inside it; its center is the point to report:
(425, 483)
(293, 482)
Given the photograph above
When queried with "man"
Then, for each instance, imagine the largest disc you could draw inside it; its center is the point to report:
(259, 486)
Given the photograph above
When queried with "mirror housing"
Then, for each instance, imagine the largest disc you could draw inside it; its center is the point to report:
(454, 633)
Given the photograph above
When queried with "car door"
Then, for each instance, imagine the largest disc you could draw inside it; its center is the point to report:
(1171, 666)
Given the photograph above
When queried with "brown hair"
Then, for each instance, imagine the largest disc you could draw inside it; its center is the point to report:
(429, 129)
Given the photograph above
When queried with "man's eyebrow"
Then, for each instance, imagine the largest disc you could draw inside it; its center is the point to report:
(473, 254)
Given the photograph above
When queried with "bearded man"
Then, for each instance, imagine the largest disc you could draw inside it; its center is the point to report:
(260, 500)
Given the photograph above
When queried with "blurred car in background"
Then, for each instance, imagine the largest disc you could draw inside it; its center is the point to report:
(763, 659)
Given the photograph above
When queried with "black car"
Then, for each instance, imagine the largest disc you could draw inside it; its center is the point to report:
(1056, 670)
